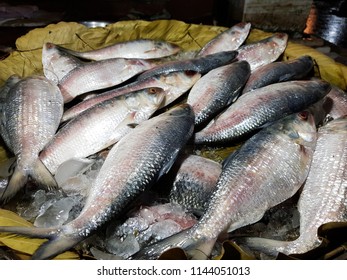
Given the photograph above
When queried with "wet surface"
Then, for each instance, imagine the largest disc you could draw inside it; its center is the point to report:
(328, 20)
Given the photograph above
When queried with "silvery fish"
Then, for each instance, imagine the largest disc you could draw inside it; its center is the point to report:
(31, 114)
(100, 74)
(100, 126)
(4, 90)
(257, 108)
(56, 64)
(217, 89)
(199, 64)
(141, 49)
(279, 71)
(195, 179)
(324, 195)
(264, 51)
(335, 103)
(229, 40)
(133, 165)
(174, 85)
(269, 168)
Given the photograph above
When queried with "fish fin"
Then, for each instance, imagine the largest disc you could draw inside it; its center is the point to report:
(57, 245)
(41, 175)
(196, 249)
(153, 251)
(16, 182)
(169, 164)
(30, 231)
(270, 247)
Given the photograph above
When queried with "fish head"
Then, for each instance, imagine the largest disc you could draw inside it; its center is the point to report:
(152, 96)
(166, 47)
(301, 129)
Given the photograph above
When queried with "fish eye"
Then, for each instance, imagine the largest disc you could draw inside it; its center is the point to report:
(303, 115)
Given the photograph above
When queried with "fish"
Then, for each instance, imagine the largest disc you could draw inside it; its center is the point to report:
(100, 127)
(280, 71)
(4, 90)
(259, 107)
(266, 170)
(139, 49)
(335, 103)
(101, 74)
(324, 195)
(217, 89)
(174, 84)
(133, 165)
(229, 40)
(31, 114)
(56, 63)
(264, 51)
(198, 64)
(194, 180)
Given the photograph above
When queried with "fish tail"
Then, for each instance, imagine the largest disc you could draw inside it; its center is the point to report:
(196, 249)
(17, 181)
(269, 247)
(41, 175)
(57, 245)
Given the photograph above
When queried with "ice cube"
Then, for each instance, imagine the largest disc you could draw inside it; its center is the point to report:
(56, 214)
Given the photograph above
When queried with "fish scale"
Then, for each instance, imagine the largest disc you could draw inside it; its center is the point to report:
(135, 163)
(32, 112)
(324, 195)
(260, 107)
(100, 126)
(269, 168)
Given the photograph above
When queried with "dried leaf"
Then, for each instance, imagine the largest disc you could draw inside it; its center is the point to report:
(23, 244)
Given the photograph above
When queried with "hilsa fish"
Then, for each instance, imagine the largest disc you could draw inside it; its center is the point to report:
(194, 181)
(101, 74)
(174, 85)
(31, 115)
(132, 166)
(279, 71)
(217, 89)
(229, 40)
(324, 195)
(56, 63)
(269, 168)
(201, 65)
(140, 49)
(100, 126)
(335, 103)
(259, 107)
(264, 51)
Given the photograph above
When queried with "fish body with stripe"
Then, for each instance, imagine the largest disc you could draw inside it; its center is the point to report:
(217, 89)
(259, 107)
(132, 166)
(229, 40)
(269, 168)
(140, 49)
(100, 126)
(31, 114)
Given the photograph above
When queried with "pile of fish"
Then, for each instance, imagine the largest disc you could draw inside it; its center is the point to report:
(147, 112)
